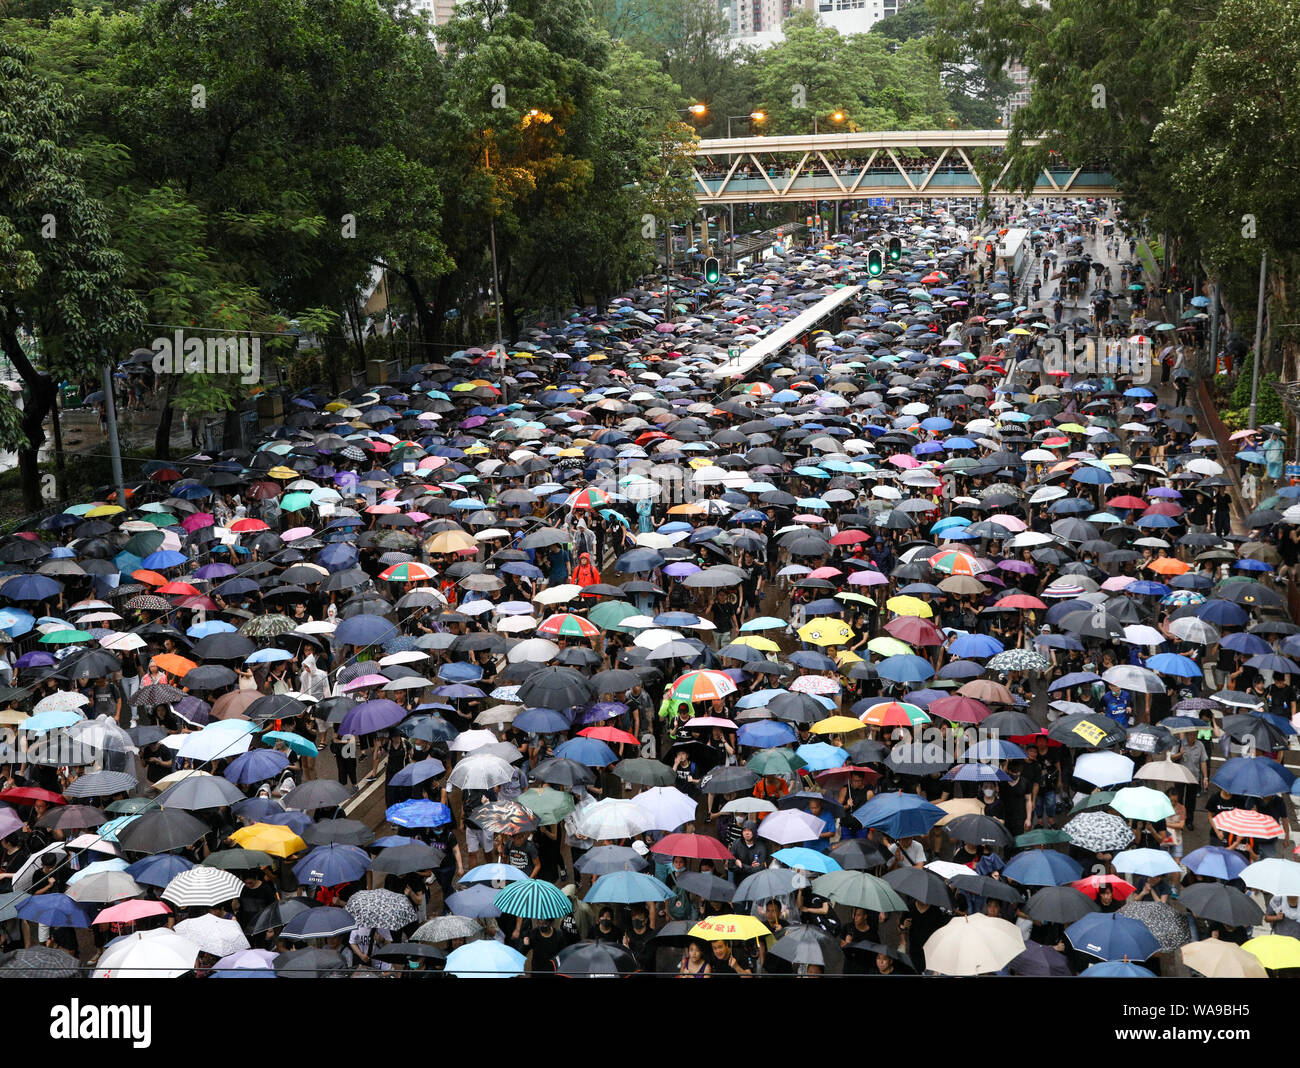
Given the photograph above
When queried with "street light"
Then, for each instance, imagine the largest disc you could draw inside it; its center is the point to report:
(836, 117)
(754, 117)
(698, 111)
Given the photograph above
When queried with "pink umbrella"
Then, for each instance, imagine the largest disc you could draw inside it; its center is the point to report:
(432, 463)
(366, 681)
(197, 521)
(867, 578)
(295, 533)
(130, 911)
(703, 721)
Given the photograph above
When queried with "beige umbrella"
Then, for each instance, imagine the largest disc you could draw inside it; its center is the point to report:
(962, 584)
(1165, 771)
(1217, 959)
(973, 945)
(960, 806)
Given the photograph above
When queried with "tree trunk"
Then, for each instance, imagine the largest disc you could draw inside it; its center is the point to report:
(60, 474)
(37, 402)
(162, 442)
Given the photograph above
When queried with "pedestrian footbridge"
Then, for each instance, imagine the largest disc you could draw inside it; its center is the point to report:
(909, 164)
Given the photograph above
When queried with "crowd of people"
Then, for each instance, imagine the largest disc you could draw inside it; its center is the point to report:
(904, 653)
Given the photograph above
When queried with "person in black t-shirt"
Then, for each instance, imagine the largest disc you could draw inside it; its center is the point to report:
(639, 939)
(606, 930)
(542, 943)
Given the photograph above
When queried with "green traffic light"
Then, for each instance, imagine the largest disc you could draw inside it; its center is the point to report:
(875, 263)
(712, 272)
(895, 250)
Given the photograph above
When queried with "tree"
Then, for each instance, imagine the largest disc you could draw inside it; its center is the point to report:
(59, 273)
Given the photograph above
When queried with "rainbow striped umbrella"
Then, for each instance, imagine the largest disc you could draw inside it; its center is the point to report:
(567, 625)
(588, 499)
(703, 686)
(955, 562)
(895, 714)
(411, 571)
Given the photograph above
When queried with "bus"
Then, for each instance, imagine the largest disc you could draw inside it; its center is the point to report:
(1013, 249)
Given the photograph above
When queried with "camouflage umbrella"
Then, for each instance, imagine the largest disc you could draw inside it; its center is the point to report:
(267, 626)
(1019, 660)
(1099, 832)
(1165, 922)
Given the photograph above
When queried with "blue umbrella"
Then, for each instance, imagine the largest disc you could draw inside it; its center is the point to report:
(478, 901)
(31, 588)
(295, 821)
(337, 557)
(1183, 667)
(420, 813)
(1223, 614)
(1117, 969)
(55, 910)
(899, 815)
(766, 734)
(1091, 476)
(1042, 867)
(975, 646)
(256, 765)
(589, 751)
(995, 749)
(905, 667)
(159, 869)
(15, 622)
(1110, 936)
(637, 561)
(420, 771)
(627, 888)
(807, 859)
(332, 865)
(541, 721)
(491, 873)
(484, 960)
(1254, 777)
(1242, 641)
(371, 716)
(364, 630)
(163, 559)
(820, 756)
(533, 899)
(1215, 862)
(460, 671)
(1150, 862)
(319, 923)
(976, 771)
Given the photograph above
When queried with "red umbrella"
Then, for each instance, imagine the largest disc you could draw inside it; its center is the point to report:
(850, 537)
(245, 526)
(915, 631)
(1021, 601)
(610, 734)
(260, 491)
(26, 795)
(183, 589)
(1093, 883)
(693, 846)
(1126, 501)
(1241, 822)
(957, 709)
(845, 770)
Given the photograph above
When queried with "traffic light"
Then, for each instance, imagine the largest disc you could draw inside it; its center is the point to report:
(712, 272)
(895, 249)
(875, 263)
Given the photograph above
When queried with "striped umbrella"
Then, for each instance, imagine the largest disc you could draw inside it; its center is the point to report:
(203, 887)
(411, 571)
(895, 714)
(1247, 824)
(533, 899)
(567, 625)
(588, 499)
(955, 562)
(703, 686)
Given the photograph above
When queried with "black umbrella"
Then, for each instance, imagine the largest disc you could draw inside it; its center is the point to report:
(556, 687)
(1222, 904)
(1088, 731)
(161, 830)
(806, 943)
(857, 854)
(978, 830)
(1059, 904)
(734, 779)
(317, 794)
(1040, 960)
(921, 884)
(986, 886)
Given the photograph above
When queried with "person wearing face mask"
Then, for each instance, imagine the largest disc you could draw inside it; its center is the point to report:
(542, 943)
(638, 939)
(606, 929)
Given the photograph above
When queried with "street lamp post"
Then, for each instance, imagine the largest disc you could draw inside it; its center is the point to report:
(753, 117)
(699, 111)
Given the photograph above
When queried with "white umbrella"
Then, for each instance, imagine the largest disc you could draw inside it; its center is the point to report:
(480, 773)
(1165, 771)
(516, 624)
(157, 954)
(665, 807)
(749, 805)
(102, 887)
(973, 945)
(62, 701)
(947, 869)
(213, 934)
(203, 887)
(1131, 677)
(557, 594)
(1104, 768)
(1191, 629)
(1273, 876)
(652, 639)
(533, 651)
(468, 741)
(610, 819)
(1203, 465)
(1138, 634)
(208, 745)
(791, 826)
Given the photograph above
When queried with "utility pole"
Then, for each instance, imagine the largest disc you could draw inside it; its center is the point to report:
(110, 417)
(1259, 340)
(496, 282)
(1214, 329)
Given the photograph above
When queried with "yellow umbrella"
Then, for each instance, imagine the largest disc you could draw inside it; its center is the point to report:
(887, 646)
(103, 510)
(1117, 459)
(335, 406)
(835, 725)
(826, 630)
(856, 598)
(1071, 428)
(282, 472)
(463, 387)
(734, 927)
(699, 463)
(1275, 951)
(906, 605)
(844, 659)
(270, 838)
(757, 641)
(450, 541)
(477, 450)
(570, 452)
(1019, 330)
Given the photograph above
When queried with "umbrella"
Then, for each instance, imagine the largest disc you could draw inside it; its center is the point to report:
(899, 815)
(858, 889)
(1098, 832)
(381, 908)
(1221, 904)
(203, 887)
(484, 960)
(595, 959)
(806, 943)
(213, 934)
(1165, 922)
(446, 929)
(1059, 904)
(729, 928)
(626, 888)
(1215, 958)
(973, 945)
(533, 899)
(157, 954)
(1110, 936)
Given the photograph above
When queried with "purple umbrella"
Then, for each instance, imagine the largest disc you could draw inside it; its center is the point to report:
(602, 711)
(681, 569)
(371, 716)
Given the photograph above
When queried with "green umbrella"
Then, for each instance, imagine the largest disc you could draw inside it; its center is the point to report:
(609, 614)
(549, 806)
(1039, 837)
(293, 502)
(65, 637)
(858, 889)
(238, 860)
(144, 543)
(775, 762)
(1100, 800)
(160, 519)
(129, 806)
